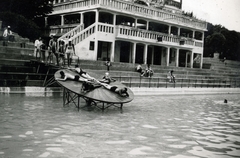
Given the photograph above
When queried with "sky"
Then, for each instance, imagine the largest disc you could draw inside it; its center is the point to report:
(223, 12)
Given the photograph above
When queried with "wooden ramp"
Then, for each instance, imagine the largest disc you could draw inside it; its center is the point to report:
(100, 97)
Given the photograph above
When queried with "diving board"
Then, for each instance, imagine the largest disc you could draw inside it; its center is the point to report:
(99, 97)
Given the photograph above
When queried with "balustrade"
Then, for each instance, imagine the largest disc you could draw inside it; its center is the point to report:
(150, 35)
(133, 8)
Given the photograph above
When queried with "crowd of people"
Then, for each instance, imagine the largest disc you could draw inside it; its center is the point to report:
(58, 50)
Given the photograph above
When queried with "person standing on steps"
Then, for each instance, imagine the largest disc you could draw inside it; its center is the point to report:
(6, 35)
(69, 51)
(38, 48)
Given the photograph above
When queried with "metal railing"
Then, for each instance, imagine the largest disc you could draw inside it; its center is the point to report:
(132, 81)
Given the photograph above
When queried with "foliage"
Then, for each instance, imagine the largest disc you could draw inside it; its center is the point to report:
(221, 40)
(25, 16)
(30, 9)
(21, 25)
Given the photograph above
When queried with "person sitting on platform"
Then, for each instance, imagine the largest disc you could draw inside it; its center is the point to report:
(122, 91)
(82, 73)
(107, 78)
(65, 76)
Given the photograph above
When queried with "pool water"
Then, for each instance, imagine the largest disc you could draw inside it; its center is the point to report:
(191, 126)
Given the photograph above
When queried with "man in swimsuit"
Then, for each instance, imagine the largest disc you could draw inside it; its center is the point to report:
(65, 76)
(82, 73)
(122, 91)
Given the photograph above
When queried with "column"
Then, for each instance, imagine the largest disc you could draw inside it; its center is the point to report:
(112, 51)
(186, 59)
(81, 18)
(177, 57)
(167, 55)
(135, 23)
(201, 61)
(169, 29)
(133, 52)
(193, 35)
(179, 29)
(114, 19)
(147, 25)
(145, 54)
(191, 59)
(96, 35)
(62, 23)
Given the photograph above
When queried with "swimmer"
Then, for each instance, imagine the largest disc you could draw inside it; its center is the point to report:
(122, 91)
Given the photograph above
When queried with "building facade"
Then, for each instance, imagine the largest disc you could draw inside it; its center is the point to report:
(153, 32)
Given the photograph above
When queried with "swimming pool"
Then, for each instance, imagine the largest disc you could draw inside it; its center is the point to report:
(152, 126)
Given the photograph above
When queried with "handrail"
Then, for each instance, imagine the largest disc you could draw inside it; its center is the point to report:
(83, 34)
(72, 32)
(133, 9)
(180, 82)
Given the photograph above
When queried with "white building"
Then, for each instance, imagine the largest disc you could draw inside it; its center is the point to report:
(153, 32)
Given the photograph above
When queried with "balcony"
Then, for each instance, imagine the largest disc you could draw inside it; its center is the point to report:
(131, 9)
(124, 32)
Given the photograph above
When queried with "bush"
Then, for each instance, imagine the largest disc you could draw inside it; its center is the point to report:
(19, 24)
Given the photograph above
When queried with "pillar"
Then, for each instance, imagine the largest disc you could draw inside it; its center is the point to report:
(167, 55)
(96, 39)
(112, 51)
(114, 19)
(191, 59)
(201, 61)
(179, 29)
(186, 59)
(134, 52)
(145, 54)
(177, 57)
(169, 29)
(193, 35)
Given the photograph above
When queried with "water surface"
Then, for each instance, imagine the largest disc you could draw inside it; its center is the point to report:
(192, 126)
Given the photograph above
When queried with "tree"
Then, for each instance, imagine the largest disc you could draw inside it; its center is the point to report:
(221, 40)
(30, 9)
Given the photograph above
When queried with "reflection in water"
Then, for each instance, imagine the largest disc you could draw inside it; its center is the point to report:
(153, 126)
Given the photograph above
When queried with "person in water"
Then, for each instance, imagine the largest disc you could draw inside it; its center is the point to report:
(65, 75)
(122, 91)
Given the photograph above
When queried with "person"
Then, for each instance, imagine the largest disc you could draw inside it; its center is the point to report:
(65, 75)
(122, 91)
(107, 78)
(171, 76)
(82, 73)
(148, 71)
(36, 46)
(42, 51)
(61, 52)
(53, 48)
(69, 51)
(38, 51)
(108, 64)
(6, 35)
(139, 69)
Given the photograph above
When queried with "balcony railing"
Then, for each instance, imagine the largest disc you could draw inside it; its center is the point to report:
(119, 5)
(140, 34)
